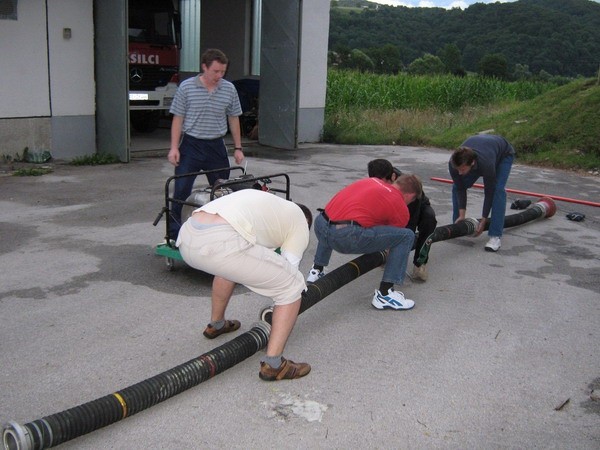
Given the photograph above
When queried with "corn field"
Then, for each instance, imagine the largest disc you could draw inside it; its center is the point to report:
(347, 90)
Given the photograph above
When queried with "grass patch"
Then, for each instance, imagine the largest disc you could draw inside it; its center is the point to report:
(96, 159)
(398, 127)
(32, 171)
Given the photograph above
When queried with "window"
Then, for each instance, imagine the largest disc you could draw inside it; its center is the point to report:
(8, 9)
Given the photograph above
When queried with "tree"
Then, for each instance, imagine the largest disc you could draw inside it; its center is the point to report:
(360, 61)
(522, 72)
(428, 64)
(387, 59)
(494, 65)
(452, 58)
(341, 54)
(544, 76)
(333, 59)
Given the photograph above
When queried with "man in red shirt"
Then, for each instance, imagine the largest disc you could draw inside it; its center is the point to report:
(422, 216)
(369, 216)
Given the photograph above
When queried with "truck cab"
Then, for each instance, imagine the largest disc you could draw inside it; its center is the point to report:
(154, 43)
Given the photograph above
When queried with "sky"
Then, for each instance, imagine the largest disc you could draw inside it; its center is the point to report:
(436, 3)
(439, 3)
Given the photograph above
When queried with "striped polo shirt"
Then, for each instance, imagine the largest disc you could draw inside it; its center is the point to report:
(205, 113)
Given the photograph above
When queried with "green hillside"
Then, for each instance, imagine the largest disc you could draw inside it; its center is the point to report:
(559, 128)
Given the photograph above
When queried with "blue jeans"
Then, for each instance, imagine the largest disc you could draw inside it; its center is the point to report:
(499, 201)
(195, 155)
(354, 239)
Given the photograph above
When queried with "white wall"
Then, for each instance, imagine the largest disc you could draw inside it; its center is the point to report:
(47, 80)
(71, 60)
(313, 70)
(313, 53)
(24, 86)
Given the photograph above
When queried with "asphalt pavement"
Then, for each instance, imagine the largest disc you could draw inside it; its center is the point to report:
(500, 351)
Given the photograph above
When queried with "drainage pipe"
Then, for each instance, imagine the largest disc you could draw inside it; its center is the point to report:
(532, 194)
(543, 208)
(71, 423)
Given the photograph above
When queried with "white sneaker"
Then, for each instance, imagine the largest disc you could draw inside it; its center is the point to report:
(493, 244)
(170, 243)
(393, 300)
(314, 275)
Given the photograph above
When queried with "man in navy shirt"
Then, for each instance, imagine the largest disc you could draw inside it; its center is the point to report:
(491, 157)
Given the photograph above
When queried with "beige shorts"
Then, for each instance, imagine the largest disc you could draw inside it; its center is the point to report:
(220, 250)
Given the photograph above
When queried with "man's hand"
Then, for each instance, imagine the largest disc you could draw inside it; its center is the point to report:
(461, 215)
(173, 156)
(238, 156)
(481, 226)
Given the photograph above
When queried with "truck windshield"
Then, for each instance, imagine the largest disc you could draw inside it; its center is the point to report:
(151, 22)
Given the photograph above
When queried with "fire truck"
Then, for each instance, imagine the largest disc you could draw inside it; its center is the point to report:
(154, 43)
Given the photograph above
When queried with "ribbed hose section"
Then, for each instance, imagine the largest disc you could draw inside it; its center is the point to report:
(64, 426)
(339, 277)
(331, 282)
(543, 208)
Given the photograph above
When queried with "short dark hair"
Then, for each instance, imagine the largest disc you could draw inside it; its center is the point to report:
(307, 214)
(462, 156)
(380, 168)
(213, 54)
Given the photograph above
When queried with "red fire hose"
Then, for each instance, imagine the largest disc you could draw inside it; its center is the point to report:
(532, 194)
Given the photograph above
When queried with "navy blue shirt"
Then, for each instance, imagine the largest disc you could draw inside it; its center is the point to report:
(490, 150)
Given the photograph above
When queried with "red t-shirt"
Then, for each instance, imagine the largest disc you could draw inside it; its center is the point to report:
(369, 202)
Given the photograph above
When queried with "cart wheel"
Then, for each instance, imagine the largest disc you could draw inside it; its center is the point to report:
(170, 263)
(266, 315)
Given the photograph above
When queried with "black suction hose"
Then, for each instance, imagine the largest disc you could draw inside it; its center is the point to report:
(71, 423)
(334, 280)
(543, 208)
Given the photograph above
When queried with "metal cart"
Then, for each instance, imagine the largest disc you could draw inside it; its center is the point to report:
(278, 183)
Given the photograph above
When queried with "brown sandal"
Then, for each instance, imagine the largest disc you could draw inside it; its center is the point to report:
(230, 325)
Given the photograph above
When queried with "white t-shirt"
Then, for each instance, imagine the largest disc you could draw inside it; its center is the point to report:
(262, 218)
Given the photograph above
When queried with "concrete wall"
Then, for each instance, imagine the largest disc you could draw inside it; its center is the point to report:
(33, 133)
(313, 70)
(46, 80)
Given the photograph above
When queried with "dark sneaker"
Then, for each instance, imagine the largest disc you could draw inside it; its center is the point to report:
(230, 325)
(287, 371)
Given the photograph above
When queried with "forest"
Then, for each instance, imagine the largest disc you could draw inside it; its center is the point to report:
(517, 40)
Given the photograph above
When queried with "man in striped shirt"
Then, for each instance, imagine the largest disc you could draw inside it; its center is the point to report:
(202, 108)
